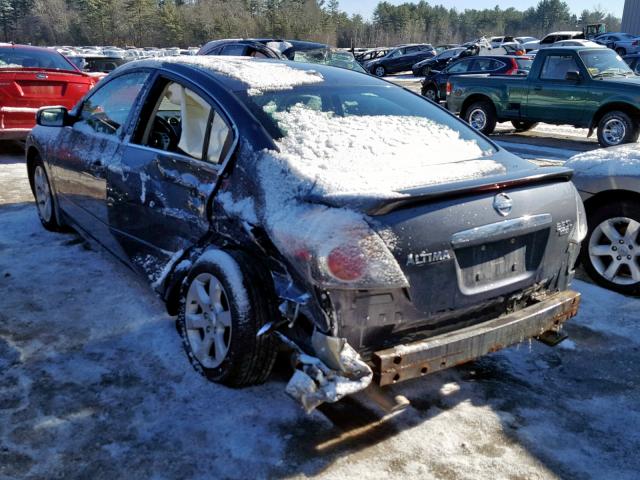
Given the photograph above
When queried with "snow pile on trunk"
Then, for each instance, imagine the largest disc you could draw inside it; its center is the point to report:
(375, 155)
(259, 75)
(621, 160)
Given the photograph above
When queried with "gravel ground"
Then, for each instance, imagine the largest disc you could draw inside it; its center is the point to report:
(94, 384)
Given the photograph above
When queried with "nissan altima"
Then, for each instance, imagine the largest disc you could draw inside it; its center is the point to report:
(371, 232)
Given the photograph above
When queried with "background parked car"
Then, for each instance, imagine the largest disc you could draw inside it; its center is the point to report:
(31, 78)
(552, 38)
(609, 183)
(634, 62)
(372, 54)
(499, 41)
(437, 63)
(622, 43)
(577, 43)
(524, 40)
(434, 86)
(259, 48)
(447, 46)
(400, 59)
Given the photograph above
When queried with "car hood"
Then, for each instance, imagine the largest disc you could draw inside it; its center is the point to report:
(632, 81)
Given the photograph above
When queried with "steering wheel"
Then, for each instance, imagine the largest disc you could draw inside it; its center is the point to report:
(163, 136)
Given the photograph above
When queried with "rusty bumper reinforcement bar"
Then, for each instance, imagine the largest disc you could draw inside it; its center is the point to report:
(454, 348)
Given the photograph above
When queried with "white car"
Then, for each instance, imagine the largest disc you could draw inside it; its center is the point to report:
(552, 38)
(526, 39)
(578, 43)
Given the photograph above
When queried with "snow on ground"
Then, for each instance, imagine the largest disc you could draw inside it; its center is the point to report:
(94, 384)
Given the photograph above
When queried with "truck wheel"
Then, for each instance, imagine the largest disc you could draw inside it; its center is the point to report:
(521, 126)
(379, 71)
(482, 116)
(224, 304)
(430, 92)
(616, 128)
(621, 51)
(611, 251)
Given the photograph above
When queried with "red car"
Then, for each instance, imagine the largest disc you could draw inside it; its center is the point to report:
(30, 78)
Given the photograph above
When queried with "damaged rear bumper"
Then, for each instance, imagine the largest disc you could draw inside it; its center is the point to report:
(412, 360)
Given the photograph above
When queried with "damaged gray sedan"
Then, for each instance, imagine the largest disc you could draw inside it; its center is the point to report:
(371, 232)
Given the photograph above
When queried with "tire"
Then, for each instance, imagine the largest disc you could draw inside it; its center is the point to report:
(430, 92)
(379, 71)
(482, 116)
(621, 51)
(521, 126)
(46, 202)
(600, 252)
(240, 305)
(617, 128)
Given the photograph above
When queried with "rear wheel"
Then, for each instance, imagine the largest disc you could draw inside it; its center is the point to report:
(617, 128)
(44, 197)
(482, 116)
(621, 51)
(611, 250)
(225, 303)
(379, 71)
(522, 126)
(430, 92)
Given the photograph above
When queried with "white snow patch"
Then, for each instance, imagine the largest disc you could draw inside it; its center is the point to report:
(623, 160)
(233, 273)
(144, 178)
(244, 208)
(167, 269)
(258, 75)
(375, 155)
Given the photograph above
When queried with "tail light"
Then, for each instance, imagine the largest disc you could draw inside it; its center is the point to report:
(347, 263)
(449, 88)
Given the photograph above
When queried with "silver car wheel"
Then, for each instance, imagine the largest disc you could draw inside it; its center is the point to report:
(379, 72)
(478, 119)
(43, 194)
(430, 94)
(614, 250)
(208, 320)
(614, 131)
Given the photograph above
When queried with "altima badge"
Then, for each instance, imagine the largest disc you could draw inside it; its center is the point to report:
(503, 204)
(425, 258)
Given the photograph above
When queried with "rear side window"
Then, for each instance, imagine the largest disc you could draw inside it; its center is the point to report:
(549, 39)
(556, 67)
(486, 65)
(16, 57)
(235, 50)
(107, 110)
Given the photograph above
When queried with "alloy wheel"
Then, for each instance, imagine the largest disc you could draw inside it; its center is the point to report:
(208, 320)
(478, 119)
(614, 131)
(43, 194)
(614, 250)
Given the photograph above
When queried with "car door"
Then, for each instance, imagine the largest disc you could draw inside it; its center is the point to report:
(172, 162)
(394, 62)
(90, 146)
(553, 98)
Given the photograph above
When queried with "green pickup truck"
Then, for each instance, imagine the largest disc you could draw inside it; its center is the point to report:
(585, 87)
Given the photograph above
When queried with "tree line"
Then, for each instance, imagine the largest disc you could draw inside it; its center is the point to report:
(162, 23)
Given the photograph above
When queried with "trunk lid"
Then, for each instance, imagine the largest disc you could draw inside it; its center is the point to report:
(23, 91)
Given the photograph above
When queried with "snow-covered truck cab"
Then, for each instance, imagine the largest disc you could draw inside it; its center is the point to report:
(371, 231)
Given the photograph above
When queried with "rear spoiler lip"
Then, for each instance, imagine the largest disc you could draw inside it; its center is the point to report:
(539, 175)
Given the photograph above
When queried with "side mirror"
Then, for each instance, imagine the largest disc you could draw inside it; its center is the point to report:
(572, 76)
(53, 117)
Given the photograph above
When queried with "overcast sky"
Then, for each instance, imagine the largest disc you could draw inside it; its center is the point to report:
(366, 7)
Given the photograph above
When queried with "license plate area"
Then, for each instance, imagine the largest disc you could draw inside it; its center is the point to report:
(492, 265)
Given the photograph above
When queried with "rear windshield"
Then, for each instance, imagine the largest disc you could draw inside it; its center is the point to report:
(356, 101)
(524, 63)
(15, 57)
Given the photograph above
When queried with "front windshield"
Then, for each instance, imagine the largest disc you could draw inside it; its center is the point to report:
(15, 57)
(605, 63)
